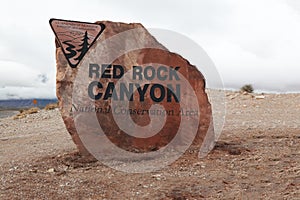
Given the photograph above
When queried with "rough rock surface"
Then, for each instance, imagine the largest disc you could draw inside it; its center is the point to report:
(66, 76)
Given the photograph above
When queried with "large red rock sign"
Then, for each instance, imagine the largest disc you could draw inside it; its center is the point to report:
(155, 77)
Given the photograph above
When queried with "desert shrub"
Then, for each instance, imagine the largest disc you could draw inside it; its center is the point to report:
(247, 88)
(32, 110)
(23, 113)
(51, 106)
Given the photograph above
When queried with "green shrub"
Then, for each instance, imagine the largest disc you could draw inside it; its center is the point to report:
(247, 88)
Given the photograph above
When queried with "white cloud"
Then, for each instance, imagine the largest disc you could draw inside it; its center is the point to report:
(17, 74)
(250, 41)
(11, 92)
(21, 81)
(260, 46)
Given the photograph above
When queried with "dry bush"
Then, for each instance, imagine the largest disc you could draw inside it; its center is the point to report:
(23, 113)
(247, 88)
(32, 110)
(51, 106)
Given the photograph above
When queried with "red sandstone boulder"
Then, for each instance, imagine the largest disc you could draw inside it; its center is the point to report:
(129, 46)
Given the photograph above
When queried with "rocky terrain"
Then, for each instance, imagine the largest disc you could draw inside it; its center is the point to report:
(256, 157)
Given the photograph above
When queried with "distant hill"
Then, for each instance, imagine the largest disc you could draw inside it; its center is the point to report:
(13, 104)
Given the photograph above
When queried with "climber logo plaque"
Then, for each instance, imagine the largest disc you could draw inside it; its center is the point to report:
(75, 38)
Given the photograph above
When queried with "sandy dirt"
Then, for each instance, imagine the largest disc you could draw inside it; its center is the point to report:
(256, 157)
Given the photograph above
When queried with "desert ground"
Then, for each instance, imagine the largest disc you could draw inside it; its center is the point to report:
(256, 157)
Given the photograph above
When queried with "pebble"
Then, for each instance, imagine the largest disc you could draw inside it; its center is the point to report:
(51, 170)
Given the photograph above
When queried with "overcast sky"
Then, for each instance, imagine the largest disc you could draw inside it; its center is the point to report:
(250, 41)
